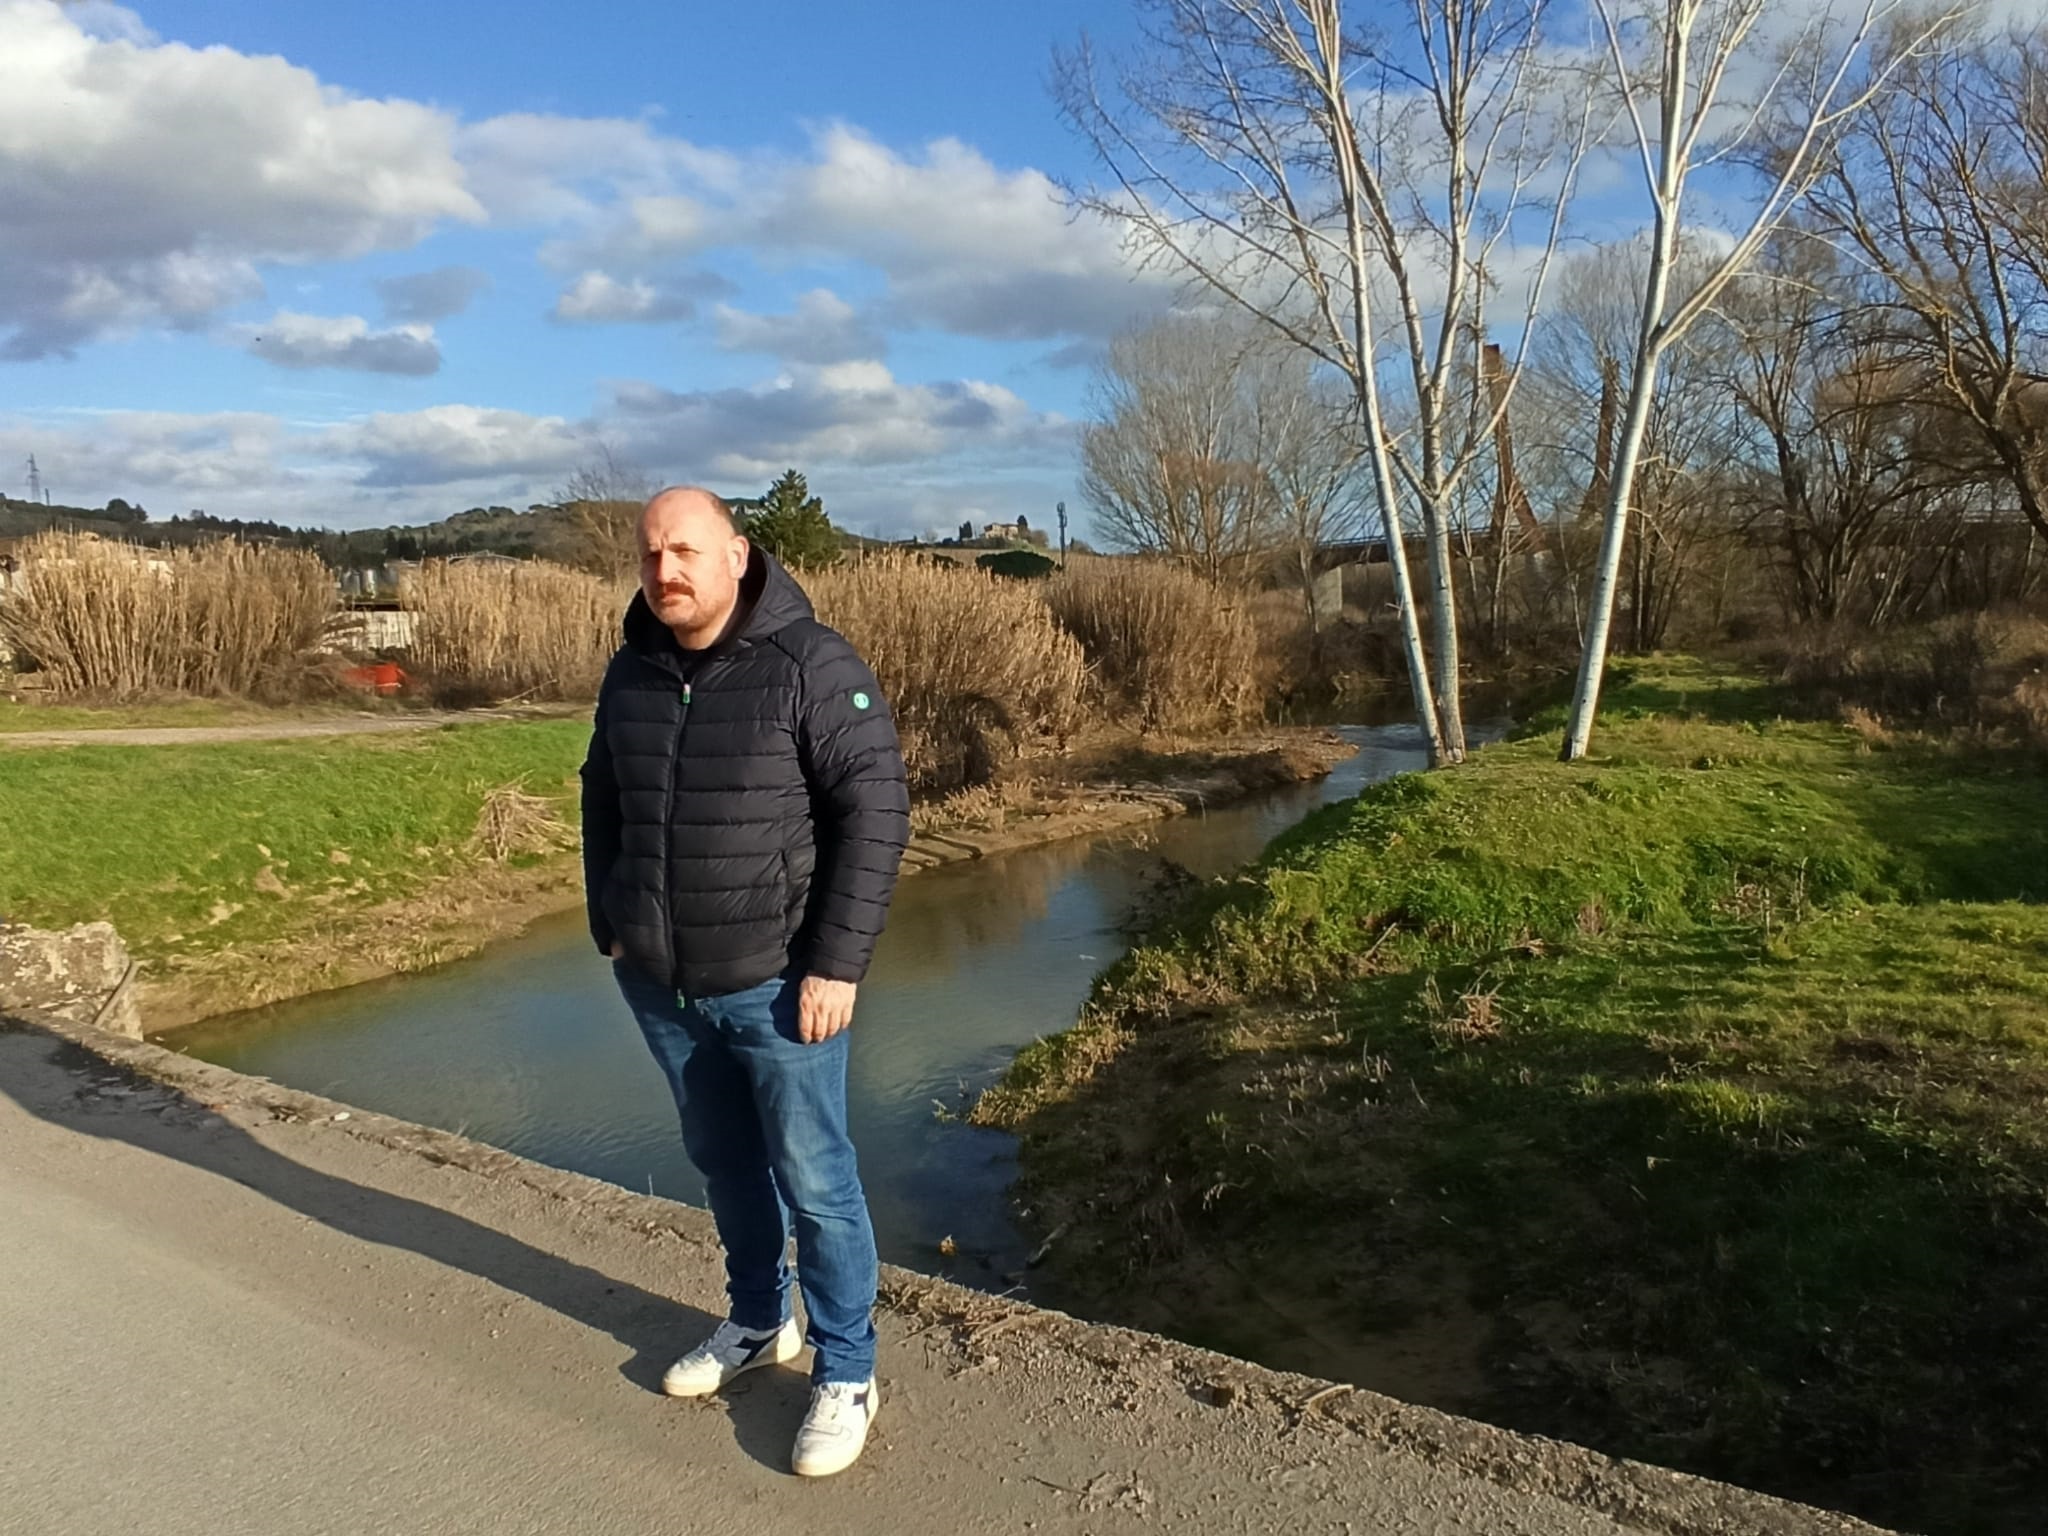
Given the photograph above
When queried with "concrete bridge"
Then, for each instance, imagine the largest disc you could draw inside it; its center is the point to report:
(228, 1307)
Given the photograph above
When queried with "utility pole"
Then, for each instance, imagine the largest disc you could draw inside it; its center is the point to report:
(1061, 508)
(35, 483)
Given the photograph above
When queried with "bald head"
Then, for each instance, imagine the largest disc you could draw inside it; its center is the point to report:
(692, 556)
(679, 500)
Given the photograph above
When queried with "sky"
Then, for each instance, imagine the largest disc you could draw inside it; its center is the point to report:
(362, 263)
(375, 262)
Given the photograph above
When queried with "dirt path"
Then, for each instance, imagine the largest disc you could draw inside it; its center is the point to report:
(279, 730)
(226, 1307)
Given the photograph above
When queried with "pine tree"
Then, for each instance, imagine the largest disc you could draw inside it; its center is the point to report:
(791, 525)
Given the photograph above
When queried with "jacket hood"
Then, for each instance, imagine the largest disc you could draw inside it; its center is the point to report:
(770, 601)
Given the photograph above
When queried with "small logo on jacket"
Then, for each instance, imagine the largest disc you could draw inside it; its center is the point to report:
(861, 701)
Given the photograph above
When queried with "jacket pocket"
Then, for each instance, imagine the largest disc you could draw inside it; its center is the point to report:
(795, 895)
(608, 897)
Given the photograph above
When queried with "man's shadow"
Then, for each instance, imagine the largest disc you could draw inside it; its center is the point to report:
(764, 1408)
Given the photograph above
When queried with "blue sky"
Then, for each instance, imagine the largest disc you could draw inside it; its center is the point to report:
(373, 262)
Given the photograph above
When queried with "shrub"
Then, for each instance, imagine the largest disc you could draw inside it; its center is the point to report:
(1167, 647)
(1347, 659)
(498, 631)
(1017, 564)
(975, 668)
(114, 620)
(1969, 670)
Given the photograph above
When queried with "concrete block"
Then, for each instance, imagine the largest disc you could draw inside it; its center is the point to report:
(72, 975)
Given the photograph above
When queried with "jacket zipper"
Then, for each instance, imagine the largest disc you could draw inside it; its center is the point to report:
(668, 814)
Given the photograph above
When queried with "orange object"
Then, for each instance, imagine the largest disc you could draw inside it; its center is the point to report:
(383, 677)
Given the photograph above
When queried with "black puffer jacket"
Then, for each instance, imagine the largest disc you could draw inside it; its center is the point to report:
(743, 806)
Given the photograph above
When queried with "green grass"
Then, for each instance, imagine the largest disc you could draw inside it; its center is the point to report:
(1712, 1073)
(169, 842)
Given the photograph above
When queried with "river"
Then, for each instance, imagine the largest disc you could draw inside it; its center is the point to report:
(526, 1046)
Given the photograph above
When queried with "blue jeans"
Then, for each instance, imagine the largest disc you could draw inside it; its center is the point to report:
(764, 1120)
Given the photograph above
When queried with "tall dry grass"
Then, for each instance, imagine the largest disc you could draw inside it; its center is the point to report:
(1169, 650)
(116, 621)
(975, 668)
(531, 630)
(1983, 672)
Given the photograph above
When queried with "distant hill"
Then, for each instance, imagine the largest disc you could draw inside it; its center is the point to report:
(539, 532)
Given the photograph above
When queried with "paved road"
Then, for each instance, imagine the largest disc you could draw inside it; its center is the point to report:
(224, 1311)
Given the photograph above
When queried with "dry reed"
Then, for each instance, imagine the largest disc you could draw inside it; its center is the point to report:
(486, 630)
(117, 621)
(1168, 649)
(974, 668)
(512, 822)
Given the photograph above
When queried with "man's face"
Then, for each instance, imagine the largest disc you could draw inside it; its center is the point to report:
(690, 567)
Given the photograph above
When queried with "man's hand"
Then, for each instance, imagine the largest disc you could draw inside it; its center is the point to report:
(824, 1008)
(618, 950)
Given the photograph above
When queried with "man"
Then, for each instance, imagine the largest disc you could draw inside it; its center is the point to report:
(744, 813)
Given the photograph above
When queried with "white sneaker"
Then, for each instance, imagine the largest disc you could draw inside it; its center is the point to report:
(836, 1427)
(729, 1352)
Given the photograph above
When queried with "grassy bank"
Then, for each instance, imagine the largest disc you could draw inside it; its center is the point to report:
(1691, 1102)
(244, 867)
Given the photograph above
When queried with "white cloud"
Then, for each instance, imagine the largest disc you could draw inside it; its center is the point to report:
(169, 462)
(145, 182)
(967, 247)
(142, 182)
(598, 298)
(639, 234)
(532, 168)
(823, 328)
(445, 444)
(851, 415)
(964, 245)
(341, 341)
(424, 297)
(101, 18)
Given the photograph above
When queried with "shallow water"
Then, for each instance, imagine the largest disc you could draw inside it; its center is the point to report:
(528, 1047)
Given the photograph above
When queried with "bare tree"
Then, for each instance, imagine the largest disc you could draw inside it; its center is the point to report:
(1834, 438)
(1361, 192)
(1677, 71)
(1680, 501)
(1941, 193)
(602, 499)
(1171, 464)
(1307, 447)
